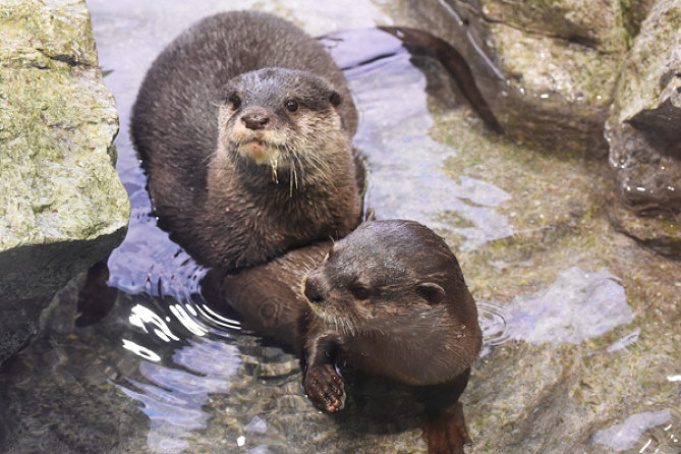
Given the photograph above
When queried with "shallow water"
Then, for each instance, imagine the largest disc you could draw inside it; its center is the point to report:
(563, 302)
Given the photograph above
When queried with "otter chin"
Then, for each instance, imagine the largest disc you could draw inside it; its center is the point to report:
(260, 152)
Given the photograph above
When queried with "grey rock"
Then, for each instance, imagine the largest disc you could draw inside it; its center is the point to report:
(643, 126)
(62, 204)
(548, 68)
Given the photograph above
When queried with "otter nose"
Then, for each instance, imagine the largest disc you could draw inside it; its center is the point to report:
(312, 290)
(255, 121)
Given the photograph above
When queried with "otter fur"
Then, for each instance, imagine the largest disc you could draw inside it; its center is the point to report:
(388, 300)
(244, 125)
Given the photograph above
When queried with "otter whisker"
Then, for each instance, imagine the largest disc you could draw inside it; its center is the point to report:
(273, 164)
(210, 157)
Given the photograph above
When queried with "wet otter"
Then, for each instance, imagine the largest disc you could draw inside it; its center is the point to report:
(243, 125)
(389, 300)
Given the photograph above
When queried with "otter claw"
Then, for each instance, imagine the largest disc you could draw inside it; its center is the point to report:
(324, 386)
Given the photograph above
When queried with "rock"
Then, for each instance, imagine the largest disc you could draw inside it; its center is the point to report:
(643, 126)
(62, 204)
(553, 65)
(658, 233)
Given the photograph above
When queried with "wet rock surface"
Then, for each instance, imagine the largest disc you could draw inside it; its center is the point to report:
(643, 127)
(552, 71)
(582, 323)
(548, 68)
(62, 205)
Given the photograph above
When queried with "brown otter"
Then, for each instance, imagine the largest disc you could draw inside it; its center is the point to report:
(243, 125)
(389, 300)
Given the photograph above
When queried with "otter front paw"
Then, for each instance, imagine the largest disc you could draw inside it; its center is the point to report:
(447, 434)
(324, 387)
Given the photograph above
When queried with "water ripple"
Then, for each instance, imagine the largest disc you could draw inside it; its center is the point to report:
(492, 319)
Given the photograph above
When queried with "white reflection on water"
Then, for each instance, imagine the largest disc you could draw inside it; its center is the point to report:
(139, 350)
(141, 315)
(577, 306)
(188, 321)
(624, 436)
(173, 398)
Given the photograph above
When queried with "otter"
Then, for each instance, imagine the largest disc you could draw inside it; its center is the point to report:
(243, 125)
(389, 300)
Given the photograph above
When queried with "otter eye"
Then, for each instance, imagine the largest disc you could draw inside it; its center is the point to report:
(360, 292)
(291, 105)
(335, 99)
(235, 101)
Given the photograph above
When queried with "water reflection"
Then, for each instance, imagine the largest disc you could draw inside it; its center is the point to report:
(173, 399)
(577, 306)
(627, 434)
(407, 178)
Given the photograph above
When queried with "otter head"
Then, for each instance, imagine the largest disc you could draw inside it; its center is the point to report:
(281, 118)
(381, 272)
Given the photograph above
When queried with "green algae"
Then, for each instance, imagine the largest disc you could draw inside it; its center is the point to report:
(62, 204)
(57, 124)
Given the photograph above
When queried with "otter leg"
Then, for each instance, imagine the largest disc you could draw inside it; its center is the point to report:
(447, 433)
(96, 298)
(322, 383)
(445, 429)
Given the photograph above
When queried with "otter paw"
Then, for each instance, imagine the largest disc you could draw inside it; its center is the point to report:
(447, 434)
(324, 387)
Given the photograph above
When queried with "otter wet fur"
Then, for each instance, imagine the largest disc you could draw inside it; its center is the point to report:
(388, 300)
(244, 126)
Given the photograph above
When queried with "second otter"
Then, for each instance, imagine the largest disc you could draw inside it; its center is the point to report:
(390, 300)
(244, 124)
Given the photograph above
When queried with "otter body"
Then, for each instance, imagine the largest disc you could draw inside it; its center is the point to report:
(244, 127)
(389, 300)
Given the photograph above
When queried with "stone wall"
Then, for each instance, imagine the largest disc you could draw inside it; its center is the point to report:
(62, 204)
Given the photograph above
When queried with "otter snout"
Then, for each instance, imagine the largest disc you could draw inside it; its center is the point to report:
(255, 119)
(313, 289)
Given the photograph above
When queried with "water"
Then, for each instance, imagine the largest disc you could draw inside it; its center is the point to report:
(581, 326)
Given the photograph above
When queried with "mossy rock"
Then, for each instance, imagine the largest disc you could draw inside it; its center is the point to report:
(62, 204)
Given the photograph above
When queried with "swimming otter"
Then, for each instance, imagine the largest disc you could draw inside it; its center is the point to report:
(243, 125)
(389, 300)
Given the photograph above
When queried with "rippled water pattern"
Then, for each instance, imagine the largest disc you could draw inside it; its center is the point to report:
(173, 398)
(407, 179)
(492, 318)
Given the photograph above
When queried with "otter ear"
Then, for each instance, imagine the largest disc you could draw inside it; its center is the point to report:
(335, 99)
(369, 215)
(432, 292)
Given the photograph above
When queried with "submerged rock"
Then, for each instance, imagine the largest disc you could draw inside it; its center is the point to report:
(62, 204)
